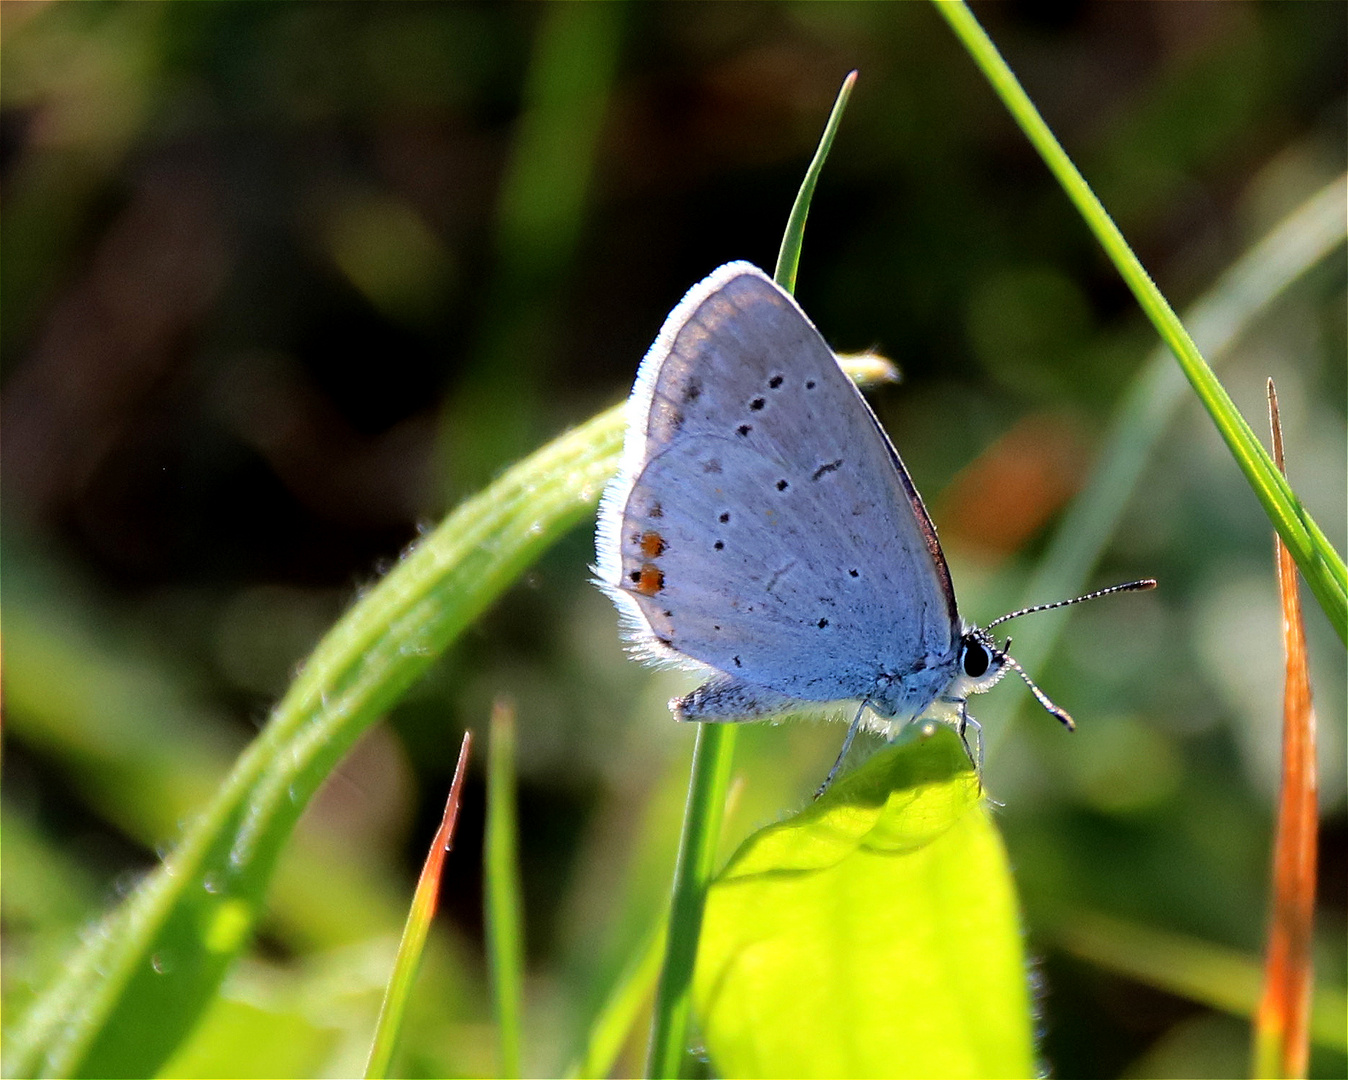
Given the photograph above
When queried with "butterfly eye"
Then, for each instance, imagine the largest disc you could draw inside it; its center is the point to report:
(976, 659)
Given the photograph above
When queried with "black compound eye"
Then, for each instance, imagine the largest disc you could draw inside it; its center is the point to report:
(977, 659)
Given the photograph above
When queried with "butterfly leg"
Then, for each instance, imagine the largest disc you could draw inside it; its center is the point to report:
(846, 746)
(974, 753)
(967, 721)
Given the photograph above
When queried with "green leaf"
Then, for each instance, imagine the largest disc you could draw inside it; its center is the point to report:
(875, 933)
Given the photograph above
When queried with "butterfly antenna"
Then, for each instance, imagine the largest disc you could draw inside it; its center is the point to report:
(1127, 586)
(1056, 711)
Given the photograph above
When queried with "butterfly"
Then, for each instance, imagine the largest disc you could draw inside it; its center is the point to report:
(762, 529)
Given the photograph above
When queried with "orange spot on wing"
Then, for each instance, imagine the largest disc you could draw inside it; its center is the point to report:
(652, 544)
(651, 581)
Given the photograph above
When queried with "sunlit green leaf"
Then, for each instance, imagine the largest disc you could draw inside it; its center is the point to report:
(875, 933)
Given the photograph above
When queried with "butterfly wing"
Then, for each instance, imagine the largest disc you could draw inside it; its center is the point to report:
(762, 523)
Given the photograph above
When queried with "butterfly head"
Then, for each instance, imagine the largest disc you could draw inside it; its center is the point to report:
(981, 663)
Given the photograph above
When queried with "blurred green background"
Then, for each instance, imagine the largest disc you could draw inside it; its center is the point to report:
(281, 283)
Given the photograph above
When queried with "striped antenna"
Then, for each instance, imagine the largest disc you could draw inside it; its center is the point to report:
(1128, 586)
(1056, 711)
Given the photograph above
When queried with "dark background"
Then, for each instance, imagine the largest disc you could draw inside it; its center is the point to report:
(282, 282)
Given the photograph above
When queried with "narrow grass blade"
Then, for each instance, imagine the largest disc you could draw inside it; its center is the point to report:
(1299, 242)
(1322, 566)
(505, 920)
(1214, 975)
(612, 1027)
(788, 258)
(424, 901)
(713, 750)
(1219, 319)
(1281, 1040)
(712, 760)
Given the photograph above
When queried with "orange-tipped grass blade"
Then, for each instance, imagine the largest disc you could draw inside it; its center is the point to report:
(1281, 1037)
(424, 902)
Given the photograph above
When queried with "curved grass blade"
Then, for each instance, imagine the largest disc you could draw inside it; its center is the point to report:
(424, 901)
(1322, 566)
(1281, 1035)
(140, 981)
(713, 750)
(875, 933)
(505, 922)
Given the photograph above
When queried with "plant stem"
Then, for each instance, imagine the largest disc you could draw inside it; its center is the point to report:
(713, 751)
(713, 755)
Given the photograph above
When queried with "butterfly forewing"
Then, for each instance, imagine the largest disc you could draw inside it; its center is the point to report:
(764, 525)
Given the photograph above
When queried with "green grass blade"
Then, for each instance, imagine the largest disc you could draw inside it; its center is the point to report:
(139, 983)
(713, 751)
(505, 921)
(1321, 565)
(408, 960)
(1219, 320)
(712, 759)
(613, 1024)
(788, 257)
(875, 933)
